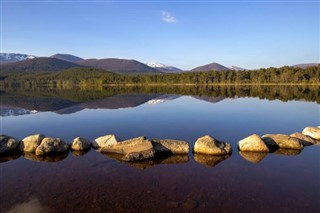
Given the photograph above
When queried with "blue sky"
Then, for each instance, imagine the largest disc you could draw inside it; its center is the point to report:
(186, 34)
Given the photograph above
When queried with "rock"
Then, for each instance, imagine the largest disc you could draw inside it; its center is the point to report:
(133, 149)
(209, 160)
(30, 143)
(282, 141)
(80, 144)
(211, 146)
(8, 144)
(51, 146)
(253, 143)
(167, 146)
(313, 132)
(305, 140)
(253, 157)
(105, 141)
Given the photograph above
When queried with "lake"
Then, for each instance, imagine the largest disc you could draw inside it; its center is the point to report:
(283, 181)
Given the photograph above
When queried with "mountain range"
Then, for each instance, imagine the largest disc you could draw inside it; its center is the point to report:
(16, 62)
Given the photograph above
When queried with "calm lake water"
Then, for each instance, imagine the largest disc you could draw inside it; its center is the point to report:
(284, 181)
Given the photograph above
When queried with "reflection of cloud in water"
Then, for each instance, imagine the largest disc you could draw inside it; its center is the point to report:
(33, 205)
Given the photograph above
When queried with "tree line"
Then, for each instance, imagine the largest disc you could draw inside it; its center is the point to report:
(98, 77)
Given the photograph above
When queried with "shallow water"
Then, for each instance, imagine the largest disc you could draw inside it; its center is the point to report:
(284, 181)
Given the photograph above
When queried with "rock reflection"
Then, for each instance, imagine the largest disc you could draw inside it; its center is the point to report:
(8, 157)
(209, 160)
(45, 158)
(145, 164)
(288, 152)
(253, 157)
(79, 153)
(32, 205)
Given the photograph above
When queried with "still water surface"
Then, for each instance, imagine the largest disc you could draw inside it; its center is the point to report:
(284, 181)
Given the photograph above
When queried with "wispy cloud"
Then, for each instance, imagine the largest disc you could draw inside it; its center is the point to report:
(168, 17)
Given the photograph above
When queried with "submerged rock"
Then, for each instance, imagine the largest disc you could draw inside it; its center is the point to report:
(209, 160)
(8, 144)
(211, 146)
(253, 143)
(313, 132)
(282, 141)
(51, 146)
(253, 157)
(80, 144)
(168, 146)
(305, 140)
(30, 143)
(105, 141)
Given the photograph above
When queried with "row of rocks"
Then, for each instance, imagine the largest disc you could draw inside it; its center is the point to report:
(272, 142)
(141, 148)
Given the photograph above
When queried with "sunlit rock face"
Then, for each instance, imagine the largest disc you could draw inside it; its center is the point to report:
(253, 143)
(52, 146)
(105, 141)
(282, 141)
(80, 144)
(211, 146)
(168, 146)
(30, 143)
(313, 132)
(305, 140)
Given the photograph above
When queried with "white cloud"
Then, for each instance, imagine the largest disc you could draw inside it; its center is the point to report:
(167, 17)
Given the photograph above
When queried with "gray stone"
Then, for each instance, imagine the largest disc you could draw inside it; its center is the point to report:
(8, 144)
(253, 143)
(282, 141)
(168, 146)
(313, 132)
(253, 157)
(105, 141)
(30, 143)
(211, 146)
(51, 146)
(80, 144)
(305, 140)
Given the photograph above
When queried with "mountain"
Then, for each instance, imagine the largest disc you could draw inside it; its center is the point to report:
(38, 64)
(119, 65)
(303, 66)
(210, 67)
(236, 68)
(67, 57)
(14, 57)
(164, 67)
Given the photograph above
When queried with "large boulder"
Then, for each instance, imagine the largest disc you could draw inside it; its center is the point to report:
(51, 146)
(30, 143)
(253, 143)
(105, 141)
(133, 149)
(313, 132)
(80, 144)
(304, 139)
(168, 146)
(253, 157)
(276, 141)
(211, 146)
(8, 144)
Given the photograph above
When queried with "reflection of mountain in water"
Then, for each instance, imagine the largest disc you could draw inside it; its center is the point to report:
(13, 104)
(7, 111)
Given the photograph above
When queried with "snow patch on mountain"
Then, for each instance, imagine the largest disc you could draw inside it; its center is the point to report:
(163, 67)
(14, 57)
(236, 68)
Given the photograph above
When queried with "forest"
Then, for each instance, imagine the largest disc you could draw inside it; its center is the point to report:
(98, 77)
